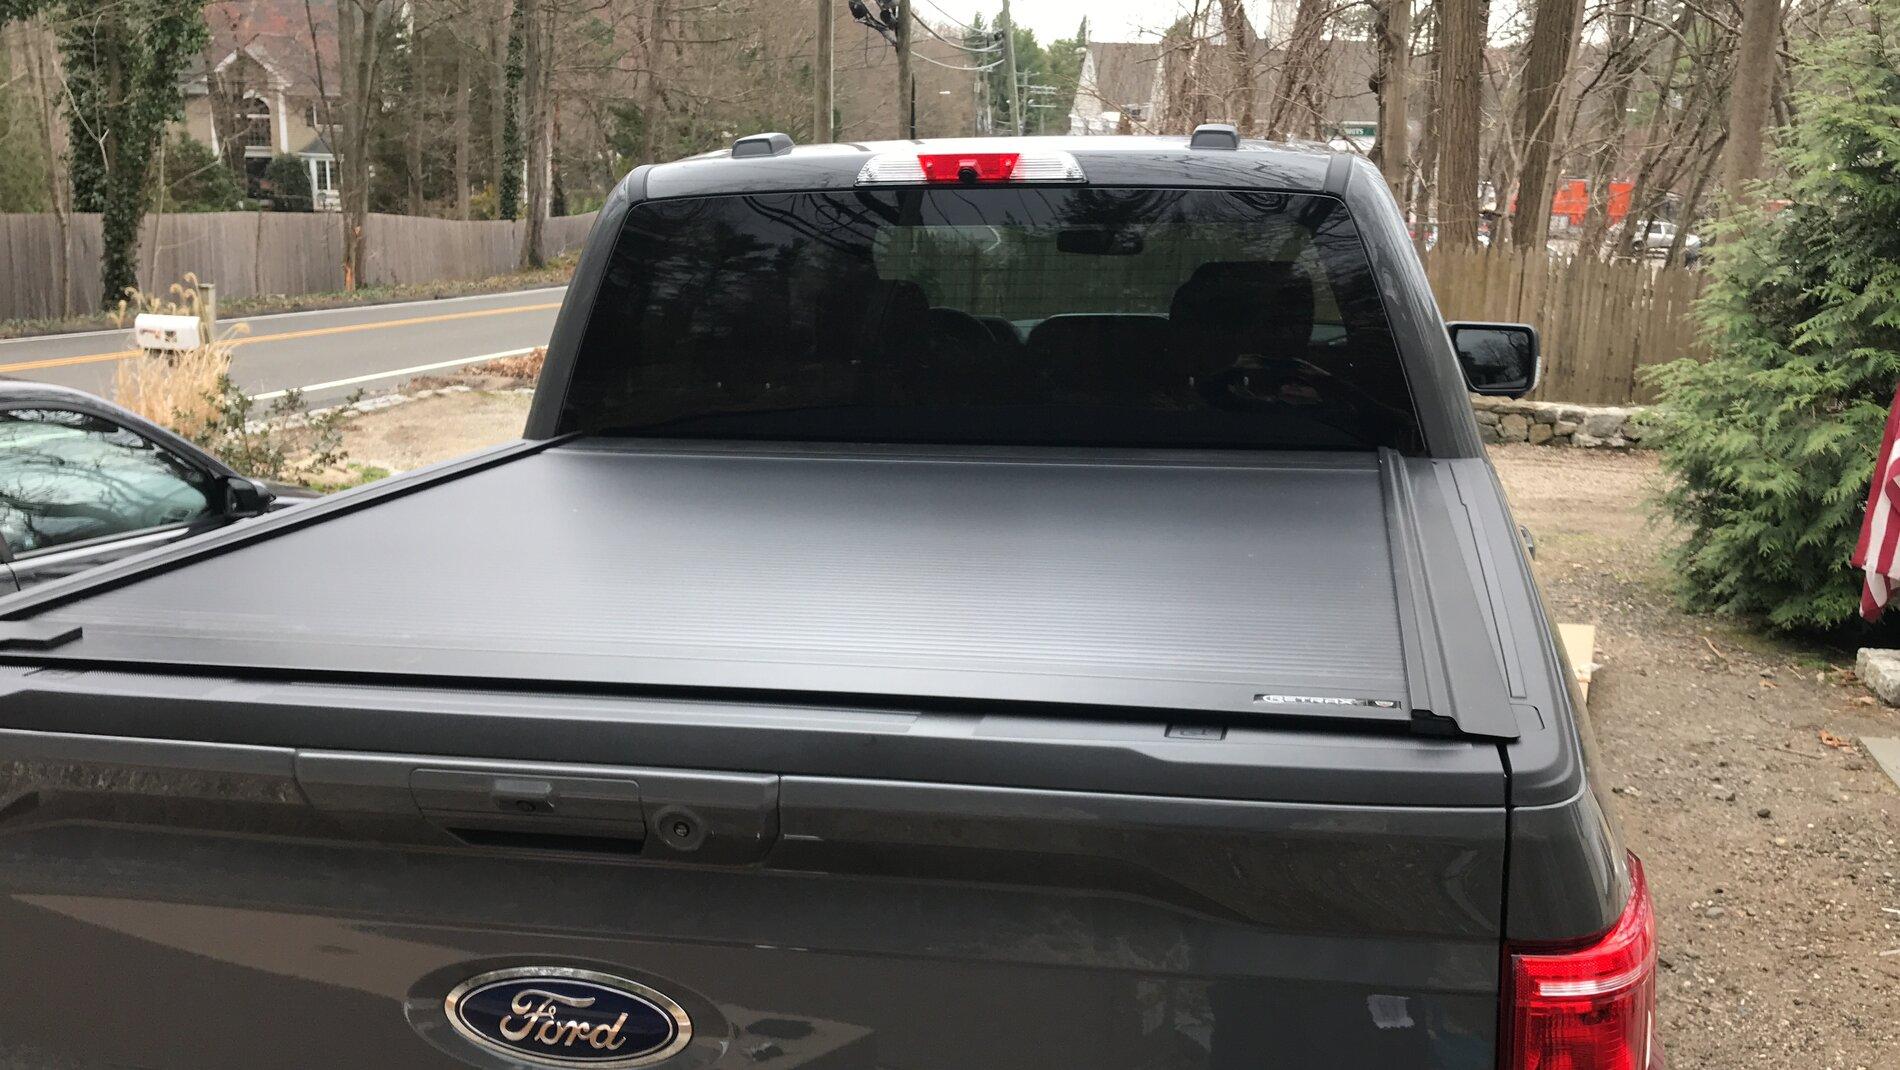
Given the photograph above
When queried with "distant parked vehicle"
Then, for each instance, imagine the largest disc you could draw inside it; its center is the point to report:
(1661, 237)
(84, 482)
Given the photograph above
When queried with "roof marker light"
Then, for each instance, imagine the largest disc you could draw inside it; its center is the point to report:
(968, 168)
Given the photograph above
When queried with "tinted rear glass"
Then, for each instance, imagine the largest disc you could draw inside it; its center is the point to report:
(1077, 316)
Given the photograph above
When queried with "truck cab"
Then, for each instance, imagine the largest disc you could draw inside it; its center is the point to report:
(1005, 603)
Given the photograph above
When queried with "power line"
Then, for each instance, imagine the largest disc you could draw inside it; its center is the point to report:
(931, 30)
(990, 66)
(952, 19)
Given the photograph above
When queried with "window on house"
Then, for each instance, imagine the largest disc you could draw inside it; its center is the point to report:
(325, 176)
(254, 130)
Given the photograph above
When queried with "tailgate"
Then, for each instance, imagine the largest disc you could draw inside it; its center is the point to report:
(204, 874)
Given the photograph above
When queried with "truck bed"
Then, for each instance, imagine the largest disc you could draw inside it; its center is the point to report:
(1226, 584)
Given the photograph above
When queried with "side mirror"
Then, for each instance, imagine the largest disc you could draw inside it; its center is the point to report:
(246, 497)
(1499, 359)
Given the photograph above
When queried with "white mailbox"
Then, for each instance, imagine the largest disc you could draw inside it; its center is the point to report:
(170, 334)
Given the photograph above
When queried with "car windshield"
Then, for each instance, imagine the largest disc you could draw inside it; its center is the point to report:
(1032, 316)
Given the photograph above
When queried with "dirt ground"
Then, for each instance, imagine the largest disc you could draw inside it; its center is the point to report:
(434, 429)
(1769, 837)
(1771, 854)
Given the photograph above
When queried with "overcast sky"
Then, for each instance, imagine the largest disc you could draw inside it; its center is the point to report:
(1121, 20)
(1109, 20)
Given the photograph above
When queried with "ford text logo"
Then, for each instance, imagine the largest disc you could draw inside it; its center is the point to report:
(554, 1016)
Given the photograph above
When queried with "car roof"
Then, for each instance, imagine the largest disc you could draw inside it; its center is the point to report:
(20, 393)
(1112, 160)
(15, 391)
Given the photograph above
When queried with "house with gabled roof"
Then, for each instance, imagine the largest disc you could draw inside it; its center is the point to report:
(260, 91)
(1117, 89)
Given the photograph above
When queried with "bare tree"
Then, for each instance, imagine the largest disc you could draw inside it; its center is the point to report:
(37, 56)
(498, 22)
(417, 111)
(1425, 189)
(1240, 41)
(464, 88)
(1461, 35)
(1393, 82)
(1755, 72)
(349, 123)
(1300, 100)
(1553, 39)
(535, 115)
(1620, 62)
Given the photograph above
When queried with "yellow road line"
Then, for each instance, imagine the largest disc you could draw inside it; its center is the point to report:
(243, 340)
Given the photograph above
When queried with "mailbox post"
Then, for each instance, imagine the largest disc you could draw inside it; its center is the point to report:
(208, 308)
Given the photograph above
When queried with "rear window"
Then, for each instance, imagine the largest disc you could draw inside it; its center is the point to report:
(1033, 316)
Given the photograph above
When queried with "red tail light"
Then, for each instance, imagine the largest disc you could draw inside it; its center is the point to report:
(1592, 1008)
(969, 166)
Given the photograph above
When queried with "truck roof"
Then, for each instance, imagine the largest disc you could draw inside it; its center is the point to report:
(1105, 160)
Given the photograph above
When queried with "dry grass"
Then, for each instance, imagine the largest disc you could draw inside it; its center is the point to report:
(177, 390)
(526, 366)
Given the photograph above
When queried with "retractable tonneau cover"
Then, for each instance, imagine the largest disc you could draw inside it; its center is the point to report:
(1310, 587)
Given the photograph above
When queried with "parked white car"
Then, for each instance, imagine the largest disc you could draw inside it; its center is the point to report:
(1660, 237)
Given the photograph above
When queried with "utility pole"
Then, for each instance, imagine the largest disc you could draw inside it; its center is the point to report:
(1009, 60)
(821, 128)
(906, 92)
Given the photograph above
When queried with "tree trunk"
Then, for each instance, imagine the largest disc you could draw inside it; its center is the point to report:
(1553, 39)
(418, 111)
(1297, 105)
(515, 72)
(1753, 81)
(359, 35)
(497, 90)
(1425, 193)
(1233, 21)
(536, 64)
(1461, 34)
(464, 87)
(1392, 83)
(39, 60)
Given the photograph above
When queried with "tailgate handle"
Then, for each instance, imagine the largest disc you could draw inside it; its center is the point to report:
(714, 818)
(543, 812)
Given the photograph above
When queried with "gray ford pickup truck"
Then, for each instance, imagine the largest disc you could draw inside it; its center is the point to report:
(956, 605)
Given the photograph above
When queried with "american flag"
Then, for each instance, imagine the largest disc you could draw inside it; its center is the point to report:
(1878, 552)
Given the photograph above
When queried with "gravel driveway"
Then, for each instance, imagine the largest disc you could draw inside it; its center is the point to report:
(1772, 853)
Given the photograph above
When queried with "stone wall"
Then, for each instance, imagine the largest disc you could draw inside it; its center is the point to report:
(1549, 423)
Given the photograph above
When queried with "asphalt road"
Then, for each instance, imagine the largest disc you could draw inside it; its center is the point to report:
(327, 354)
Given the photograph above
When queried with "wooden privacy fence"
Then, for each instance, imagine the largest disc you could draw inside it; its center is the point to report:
(1600, 322)
(249, 253)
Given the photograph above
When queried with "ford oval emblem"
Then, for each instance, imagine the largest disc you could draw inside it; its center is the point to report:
(555, 1016)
